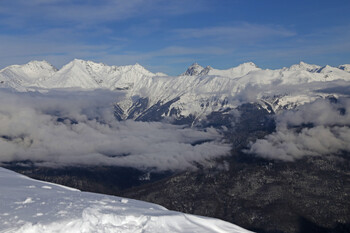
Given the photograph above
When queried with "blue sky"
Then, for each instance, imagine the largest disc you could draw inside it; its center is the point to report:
(169, 35)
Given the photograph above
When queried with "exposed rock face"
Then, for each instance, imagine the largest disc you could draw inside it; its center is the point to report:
(194, 69)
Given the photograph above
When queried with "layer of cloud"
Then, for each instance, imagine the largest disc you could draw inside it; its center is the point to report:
(243, 31)
(314, 129)
(64, 128)
(19, 13)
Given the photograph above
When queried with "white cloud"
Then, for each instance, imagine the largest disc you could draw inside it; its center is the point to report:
(63, 128)
(289, 145)
(242, 31)
(328, 132)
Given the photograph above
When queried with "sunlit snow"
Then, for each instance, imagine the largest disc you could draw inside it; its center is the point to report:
(27, 205)
(200, 90)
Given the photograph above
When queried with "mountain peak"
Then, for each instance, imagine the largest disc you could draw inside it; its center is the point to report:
(86, 62)
(73, 63)
(138, 66)
(194, 69)
(345, 67)
(305, 66)
(249, 64)
(27, 75)
(39, 66)
(78, 61)
(84, 65)
(141, 70)
(37, 62)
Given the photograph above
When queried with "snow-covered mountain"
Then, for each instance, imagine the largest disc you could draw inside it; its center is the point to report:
(21, 76)
(194, 69)
(234, 72)
(91, 75)
(345, 67)
(28, 205)
(77, 73)
(195, 94)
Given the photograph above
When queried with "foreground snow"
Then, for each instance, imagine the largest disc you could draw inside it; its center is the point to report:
(27, 205)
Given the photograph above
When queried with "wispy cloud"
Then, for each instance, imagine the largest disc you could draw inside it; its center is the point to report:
(83, 13)
(240, 32)
(182, 50)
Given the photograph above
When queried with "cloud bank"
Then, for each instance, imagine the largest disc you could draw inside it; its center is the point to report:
(315, 129)
(65, 128)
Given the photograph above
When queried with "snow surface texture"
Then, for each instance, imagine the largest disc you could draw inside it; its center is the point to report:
(28, 205)
(200, 90)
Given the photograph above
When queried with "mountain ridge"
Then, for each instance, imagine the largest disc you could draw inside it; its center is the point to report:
(195, 94)
(43, 74)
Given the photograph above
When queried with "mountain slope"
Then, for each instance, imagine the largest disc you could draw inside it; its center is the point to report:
(234, 72)
(345, 67)
(30, 74)
(91, 75)
(34, 206)
(309, 195)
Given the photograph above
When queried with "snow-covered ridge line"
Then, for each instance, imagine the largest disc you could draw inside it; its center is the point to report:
(91, 75)
(28, 205)
(198, 91)
(77, 73)
(196, 70)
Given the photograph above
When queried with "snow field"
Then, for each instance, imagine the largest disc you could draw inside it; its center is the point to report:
(30, 206)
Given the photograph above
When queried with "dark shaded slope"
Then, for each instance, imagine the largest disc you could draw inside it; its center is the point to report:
(263, 196)
(100, 179)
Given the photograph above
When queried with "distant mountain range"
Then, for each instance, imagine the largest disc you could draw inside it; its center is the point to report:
(189, 97)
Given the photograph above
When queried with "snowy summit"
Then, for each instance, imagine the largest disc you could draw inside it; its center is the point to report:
(194, 69)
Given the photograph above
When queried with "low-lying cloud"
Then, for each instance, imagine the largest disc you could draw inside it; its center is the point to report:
(79, 128)
(315, 129)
